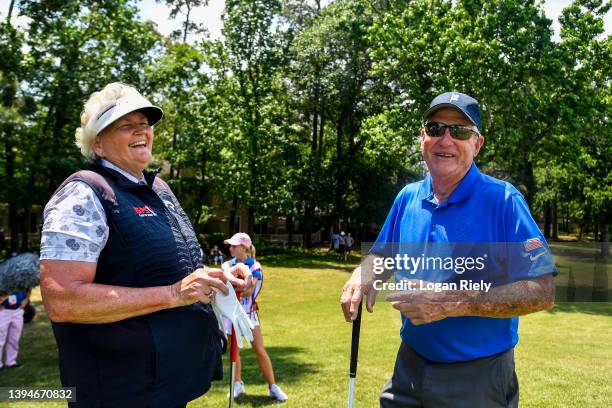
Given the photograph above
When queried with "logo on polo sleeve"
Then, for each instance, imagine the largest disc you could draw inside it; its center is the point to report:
(533, 243)
(145, 211)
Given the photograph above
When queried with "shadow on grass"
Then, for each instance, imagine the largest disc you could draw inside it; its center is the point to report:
(598, 308)
(255, 401)
(310, 261)
(287, 368)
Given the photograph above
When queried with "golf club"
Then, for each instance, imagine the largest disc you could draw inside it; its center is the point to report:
(354, 355)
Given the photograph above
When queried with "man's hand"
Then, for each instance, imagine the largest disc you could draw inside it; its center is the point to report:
(352, 293)
(198, 286)
(361, 283)
(426, 306)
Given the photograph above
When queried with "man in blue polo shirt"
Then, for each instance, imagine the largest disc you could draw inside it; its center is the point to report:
(471, 258)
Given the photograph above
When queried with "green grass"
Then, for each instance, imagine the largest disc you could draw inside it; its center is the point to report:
(563, 358)
(583, 274)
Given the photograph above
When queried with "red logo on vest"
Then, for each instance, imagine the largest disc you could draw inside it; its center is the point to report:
(145, 211)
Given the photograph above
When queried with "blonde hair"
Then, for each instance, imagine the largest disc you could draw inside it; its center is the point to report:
(251, 251)
(97, 103)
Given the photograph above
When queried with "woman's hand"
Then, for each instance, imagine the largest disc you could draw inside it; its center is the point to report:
(249, 290)
(239, 276)
(199, 286)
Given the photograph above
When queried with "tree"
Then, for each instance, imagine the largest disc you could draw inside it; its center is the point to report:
(72, 48)
(254, 47)
(336, 94)
(185, 7)
(585, 97)
(180, 62)
(200, 123)
(13, 110)
(498, 51)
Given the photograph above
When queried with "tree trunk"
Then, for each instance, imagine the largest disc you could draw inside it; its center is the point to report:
(9, 168)
(605, 241)
(529, 183)
(308, 224)
(315, 128)
(173, 147)
(10, 12)
(555, 224)
(547, 219)
(253, 179)
(186, 23)
(339, 175)
(315, 119)
(25, 229)
(321, 128)
(251, 220)
(13, 226)
(232, 216)
(203, 193)
(290, 230)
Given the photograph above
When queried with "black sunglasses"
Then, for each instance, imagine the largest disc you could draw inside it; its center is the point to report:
(435, 129)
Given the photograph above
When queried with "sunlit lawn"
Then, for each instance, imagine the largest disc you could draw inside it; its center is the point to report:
(563, 358)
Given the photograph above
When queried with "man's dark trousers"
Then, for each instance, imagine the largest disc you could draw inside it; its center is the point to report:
(488, 382)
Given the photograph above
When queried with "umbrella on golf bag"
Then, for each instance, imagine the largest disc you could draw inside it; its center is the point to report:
(20, 272)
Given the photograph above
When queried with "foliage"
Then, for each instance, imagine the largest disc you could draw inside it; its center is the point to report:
(310, 110)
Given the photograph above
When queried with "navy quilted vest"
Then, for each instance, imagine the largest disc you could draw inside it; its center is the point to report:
(162, 359)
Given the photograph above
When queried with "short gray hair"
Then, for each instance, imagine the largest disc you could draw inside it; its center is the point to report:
(97, 103)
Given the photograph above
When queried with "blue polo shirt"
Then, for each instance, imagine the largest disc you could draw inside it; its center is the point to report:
(484, 218)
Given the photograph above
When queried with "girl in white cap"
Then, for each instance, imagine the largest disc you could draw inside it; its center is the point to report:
(242, 265)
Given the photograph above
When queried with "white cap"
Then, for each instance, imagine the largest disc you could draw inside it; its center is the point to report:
(125, 105)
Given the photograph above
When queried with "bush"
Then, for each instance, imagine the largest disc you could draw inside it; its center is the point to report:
(267, 248)
(207, 241)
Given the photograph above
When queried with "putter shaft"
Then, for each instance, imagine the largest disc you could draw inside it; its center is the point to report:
(354, 356)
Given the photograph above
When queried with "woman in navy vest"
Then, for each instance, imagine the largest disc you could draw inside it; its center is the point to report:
(122, 278)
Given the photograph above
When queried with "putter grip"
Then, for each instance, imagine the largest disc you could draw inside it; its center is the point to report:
(355, 343)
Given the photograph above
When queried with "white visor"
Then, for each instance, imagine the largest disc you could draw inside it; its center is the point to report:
(125, 105)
